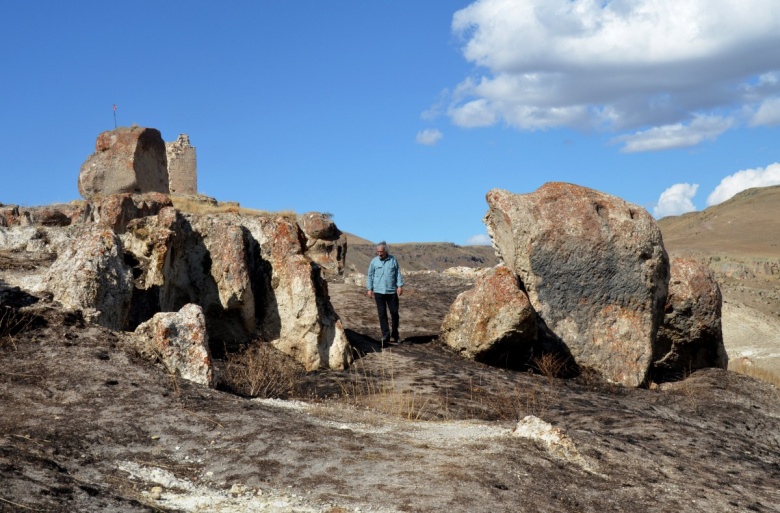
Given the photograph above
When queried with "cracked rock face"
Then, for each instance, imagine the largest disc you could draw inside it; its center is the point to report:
(595, 270)
(90, 275)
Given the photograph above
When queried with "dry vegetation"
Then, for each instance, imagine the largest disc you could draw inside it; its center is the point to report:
(13, 322)
(204, 205)
(260, 370)
(748, 368)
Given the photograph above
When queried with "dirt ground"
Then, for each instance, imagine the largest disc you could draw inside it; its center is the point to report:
(87, 425)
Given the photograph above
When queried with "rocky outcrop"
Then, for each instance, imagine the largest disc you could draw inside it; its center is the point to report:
(297, 315)
(493, 322)
(180, 342)
(326, 245)
(90, 275)
(126, 160)
(594, 268)
(117, 210)
(48, 215)
(690, 337)
(248, 273)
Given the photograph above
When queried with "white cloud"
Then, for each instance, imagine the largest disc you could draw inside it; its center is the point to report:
(676, 200)
(619, 65)
(768, 113)
(675, 136)
(745, 179)
(429, 136)
(478, 240)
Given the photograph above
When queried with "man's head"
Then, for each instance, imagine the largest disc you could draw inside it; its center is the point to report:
(381, 250)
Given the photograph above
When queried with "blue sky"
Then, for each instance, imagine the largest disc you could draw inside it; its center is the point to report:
(397, 117)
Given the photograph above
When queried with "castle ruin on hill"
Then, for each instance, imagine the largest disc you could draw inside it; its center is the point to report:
(182, 166)
(136, 160)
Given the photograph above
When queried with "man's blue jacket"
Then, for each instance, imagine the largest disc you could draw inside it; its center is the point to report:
(384, 276)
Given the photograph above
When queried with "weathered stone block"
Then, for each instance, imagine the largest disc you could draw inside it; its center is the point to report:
(126, 160)
(595, 270)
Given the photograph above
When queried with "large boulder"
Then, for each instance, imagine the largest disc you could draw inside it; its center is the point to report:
(595, 270)
(326, 245)
(90, 275)
(180, 341)
(126, 160)
(492, 322)
(690, 337)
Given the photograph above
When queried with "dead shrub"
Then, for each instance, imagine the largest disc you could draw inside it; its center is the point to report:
(261, 370)
(13, 322)
(551, 366)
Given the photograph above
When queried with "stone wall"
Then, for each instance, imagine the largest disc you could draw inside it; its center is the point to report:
(182, 166)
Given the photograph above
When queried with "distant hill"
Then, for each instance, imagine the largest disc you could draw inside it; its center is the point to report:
(746, 225)
(418, 256)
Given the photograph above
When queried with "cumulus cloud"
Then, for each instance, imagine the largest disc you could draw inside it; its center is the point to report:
(768, 113)
(429, 136)
(481, 239)
(675, 136)
(745, 179)
(652, 69)
(676, 200)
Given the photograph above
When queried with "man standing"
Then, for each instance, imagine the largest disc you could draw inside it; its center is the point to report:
(385, 284)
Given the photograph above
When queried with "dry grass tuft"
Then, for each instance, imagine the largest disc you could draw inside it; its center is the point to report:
(261, 370)
(377, 391)
(510, 402)
(748, 368)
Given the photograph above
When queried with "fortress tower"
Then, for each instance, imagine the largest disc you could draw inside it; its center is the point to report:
(182, 166)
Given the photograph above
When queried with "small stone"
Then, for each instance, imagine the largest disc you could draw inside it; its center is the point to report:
(156, 493)
(237, 489)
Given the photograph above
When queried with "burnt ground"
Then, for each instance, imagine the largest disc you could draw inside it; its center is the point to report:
(88, 425)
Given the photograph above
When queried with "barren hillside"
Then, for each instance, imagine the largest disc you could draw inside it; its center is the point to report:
(418, 256)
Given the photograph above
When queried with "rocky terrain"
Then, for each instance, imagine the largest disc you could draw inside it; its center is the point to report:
(89, 425)
(155, 359)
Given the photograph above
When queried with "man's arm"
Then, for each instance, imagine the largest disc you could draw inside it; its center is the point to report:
(370, 279)
(399, 280)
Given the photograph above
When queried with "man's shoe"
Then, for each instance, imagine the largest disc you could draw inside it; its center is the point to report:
(385, 343)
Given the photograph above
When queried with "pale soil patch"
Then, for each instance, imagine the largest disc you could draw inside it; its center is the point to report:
(748, 333)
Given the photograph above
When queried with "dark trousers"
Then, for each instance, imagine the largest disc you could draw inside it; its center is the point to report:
(385, 302)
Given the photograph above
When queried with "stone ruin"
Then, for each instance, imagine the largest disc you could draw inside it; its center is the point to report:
(136, 160)
(182, 166)
(128, 260)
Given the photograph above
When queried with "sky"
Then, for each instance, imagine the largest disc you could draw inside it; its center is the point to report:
(398, 117)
